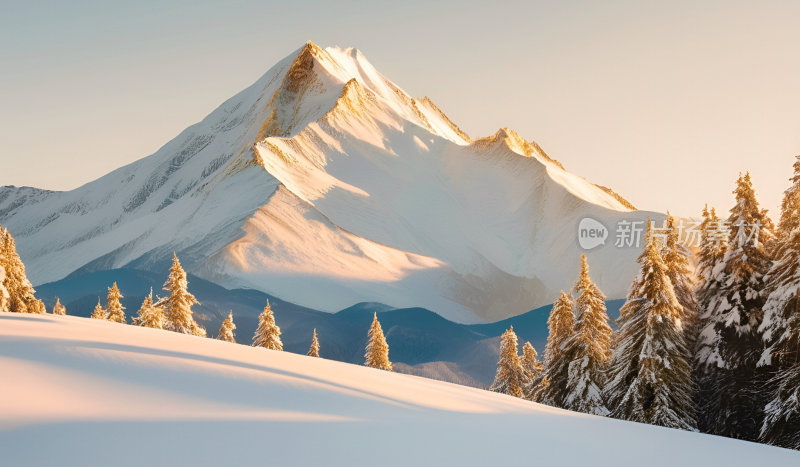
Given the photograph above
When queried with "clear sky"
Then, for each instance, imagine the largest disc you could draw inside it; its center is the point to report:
(665, 102)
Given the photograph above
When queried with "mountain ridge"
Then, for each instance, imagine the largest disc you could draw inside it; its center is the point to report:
(326, 184)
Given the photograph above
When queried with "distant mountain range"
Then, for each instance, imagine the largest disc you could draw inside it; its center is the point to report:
(327, 185)
(421, 342)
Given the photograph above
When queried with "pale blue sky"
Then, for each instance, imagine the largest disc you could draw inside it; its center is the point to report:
(663, 101)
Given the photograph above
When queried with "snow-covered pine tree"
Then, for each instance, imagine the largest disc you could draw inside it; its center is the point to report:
(313, 351)
(551, 389)
(530, 361)
(21, 298)
(707, 361)
(268, 334)
(736, 309)
(149, 315)
(650, 371)
(226, 330)
(589, 348)
(781, 326)
(676, 260)
(115, 310)
(58, 308)
(377, 352)
(713, 245)
(99, 312)
(177, 305)
(533, 368)
(511, 377)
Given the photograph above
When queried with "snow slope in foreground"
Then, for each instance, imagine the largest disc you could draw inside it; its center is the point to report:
(89, 392)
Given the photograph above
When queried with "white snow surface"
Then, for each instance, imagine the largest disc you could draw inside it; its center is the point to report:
(325, 184)
(87, 392)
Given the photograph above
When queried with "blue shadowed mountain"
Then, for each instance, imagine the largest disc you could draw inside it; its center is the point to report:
(421, 341)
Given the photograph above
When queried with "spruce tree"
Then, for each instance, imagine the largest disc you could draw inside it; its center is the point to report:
(21, 298)
(226, 330)
(707, 361)
(533, 369)
(313, 351)
(115, 310)
(551, 389)
(58, 308)
(149, 315)
(377, 352)
(99, 312)
(676, 260)
(713, 245)
(589, 348)
(268, 334)
(177, 305)
(736, 311)
(650, 370)
(511, 377)
(781, 326)
(530, 361)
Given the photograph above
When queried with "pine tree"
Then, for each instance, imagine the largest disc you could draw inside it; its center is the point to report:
(533, 369)
(115, 310)
(268, 334)
(781, 326)
(313, 351)
(58, 308)
(511, 377)
(226, 330)
(177, 305)
(99, 312)
(589, 348)
(149, 315)
(707, 360)
(713, 245)
(21, 298)
(551, 389)
(736, 312)
(650, 371)
(530, 361)
(377, 354)
(676, 260)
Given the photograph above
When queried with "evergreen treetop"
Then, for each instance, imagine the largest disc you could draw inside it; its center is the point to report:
(99, 312)
(58, 308)
(511, 378)
(177, 305)
(313, 350)
(268, 334)
(114, 309)
(377, 351)
(226, 330)
(149, 315)
(588, 350)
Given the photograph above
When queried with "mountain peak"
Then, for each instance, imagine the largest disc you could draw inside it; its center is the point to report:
(293, 184)
(510, 139)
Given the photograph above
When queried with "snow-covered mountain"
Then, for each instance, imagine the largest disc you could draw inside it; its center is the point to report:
(326, 184)
(91, 392)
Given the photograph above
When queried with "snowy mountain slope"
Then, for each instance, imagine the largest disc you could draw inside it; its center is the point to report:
(327, 185)
(102, 393)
